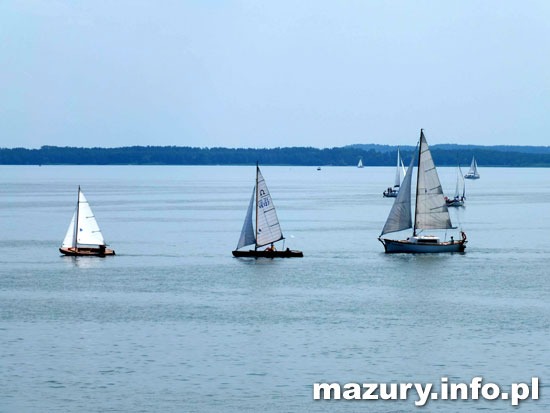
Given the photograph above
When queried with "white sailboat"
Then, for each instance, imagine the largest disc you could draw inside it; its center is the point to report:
(83, 236)
(399, 172)
(360, 164)
(458, 199)
(430, 211)
(268, 230)
(472, 173)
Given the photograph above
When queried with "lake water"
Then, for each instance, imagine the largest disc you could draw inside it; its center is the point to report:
(174, 323)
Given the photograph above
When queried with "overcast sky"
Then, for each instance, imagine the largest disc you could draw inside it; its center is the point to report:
(277, 73)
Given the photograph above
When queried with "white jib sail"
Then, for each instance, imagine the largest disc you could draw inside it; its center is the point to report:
(457, 193)
(397, 171)
(268, 229)
(360, 164)
(473, 167)
(247, 233)
(88, 231)
(69, 237)
(463, 181)
(431, 210)
(400, 214)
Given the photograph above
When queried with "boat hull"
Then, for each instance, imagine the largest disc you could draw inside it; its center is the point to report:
(268, 254)
(88, 252)
(390, 194)
(455, 203)
(471, 176)
(394, 246)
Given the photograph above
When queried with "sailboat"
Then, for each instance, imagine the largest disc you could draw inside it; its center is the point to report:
(83, 235)
(392, 192)
(458, 200)
(268, 230)
(430, 211)
(472, 173)
(360, 164)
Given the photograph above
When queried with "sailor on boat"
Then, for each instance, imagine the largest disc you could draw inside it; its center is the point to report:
(431, 211)
(84, 236)
(268, 230)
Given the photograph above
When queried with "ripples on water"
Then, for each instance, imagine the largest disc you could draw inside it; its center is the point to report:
(174, 323)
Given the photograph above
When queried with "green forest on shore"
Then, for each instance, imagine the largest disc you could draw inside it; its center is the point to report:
(444, 155)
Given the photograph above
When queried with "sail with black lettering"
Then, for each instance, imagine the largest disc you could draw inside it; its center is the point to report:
(268, 229)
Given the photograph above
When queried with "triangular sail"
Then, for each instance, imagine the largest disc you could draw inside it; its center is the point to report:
(400, 214)
(457, 192)
(88, 232)
(431, 211)
(397, 171)
(473, 166)
(247, 233)
(68, 242)
(360, 164)
(268, 229)
(463, 182)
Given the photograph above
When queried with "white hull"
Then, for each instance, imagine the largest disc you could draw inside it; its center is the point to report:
(394, 246)
(468, 176)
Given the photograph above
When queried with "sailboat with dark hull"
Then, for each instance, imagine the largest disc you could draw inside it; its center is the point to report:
(268, 230)
(84, 238)
(430, 211)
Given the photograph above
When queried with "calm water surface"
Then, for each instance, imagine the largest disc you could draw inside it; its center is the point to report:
(174, 323)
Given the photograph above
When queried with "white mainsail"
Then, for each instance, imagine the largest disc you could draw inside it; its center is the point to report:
(268, 229)
(431, 211)
(68, 242)
(459, 179)
(88, 232)
(461, 175)
(398, 171)
(400, 214)
(247, 233)
(473, 167)
(360, 164)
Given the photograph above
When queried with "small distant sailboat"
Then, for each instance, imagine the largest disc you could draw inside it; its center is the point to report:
(84, 236)
(472, 173)
(268, 229)
(458, 199)
(360, 164)
(392, 192)
(318, 168)
(430, 212)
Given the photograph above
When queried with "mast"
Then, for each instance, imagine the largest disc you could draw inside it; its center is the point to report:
(417, 179)
(256, 235)
(76, 223)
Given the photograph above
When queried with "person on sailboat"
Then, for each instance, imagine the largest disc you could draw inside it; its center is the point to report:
(271, 248)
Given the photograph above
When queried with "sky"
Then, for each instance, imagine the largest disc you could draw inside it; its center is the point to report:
(273, 73)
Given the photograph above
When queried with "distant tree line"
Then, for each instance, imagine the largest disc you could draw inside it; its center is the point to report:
(178, 155)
